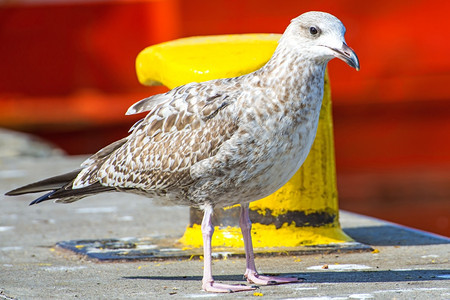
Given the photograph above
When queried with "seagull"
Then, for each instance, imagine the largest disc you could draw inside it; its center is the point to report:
(221, 142)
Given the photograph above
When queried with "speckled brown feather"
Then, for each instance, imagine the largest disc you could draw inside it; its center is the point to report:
(183, 126)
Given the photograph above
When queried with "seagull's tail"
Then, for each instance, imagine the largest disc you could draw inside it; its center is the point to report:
(60, 188)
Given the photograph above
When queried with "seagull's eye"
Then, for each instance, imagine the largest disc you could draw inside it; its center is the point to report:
(313, 30)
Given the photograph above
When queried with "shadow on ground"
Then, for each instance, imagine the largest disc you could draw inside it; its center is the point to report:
(392, 235)
(328, 277)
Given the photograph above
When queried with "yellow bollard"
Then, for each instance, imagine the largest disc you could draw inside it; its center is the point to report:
(305, 210)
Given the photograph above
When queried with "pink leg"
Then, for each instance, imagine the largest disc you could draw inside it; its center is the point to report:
(208, 283)
(250, 273)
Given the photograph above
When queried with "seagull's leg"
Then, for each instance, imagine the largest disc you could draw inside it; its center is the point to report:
(250, 273)
(208, 283)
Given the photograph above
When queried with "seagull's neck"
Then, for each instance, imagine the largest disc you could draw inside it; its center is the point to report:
(295, 76)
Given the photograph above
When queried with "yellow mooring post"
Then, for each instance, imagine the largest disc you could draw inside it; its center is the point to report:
(305, 210)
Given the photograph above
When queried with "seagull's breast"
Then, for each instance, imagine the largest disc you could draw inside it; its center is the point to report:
(269, 147)
(283, 150)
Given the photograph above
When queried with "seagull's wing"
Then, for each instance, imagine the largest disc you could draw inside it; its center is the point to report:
(183, 126)
(149, 103)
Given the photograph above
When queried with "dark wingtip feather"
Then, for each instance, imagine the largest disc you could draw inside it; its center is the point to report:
(10, 193)
(15, 192)
(42, 198)
(59, 188)
(48, 184)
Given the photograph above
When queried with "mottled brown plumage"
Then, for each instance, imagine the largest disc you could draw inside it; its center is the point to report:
(221, 142)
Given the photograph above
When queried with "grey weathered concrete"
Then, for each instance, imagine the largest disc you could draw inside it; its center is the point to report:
(407, 264)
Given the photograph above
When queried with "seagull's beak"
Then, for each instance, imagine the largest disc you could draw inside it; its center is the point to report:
(348, 55)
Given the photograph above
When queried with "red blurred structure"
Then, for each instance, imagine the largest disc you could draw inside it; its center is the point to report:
(67, 74)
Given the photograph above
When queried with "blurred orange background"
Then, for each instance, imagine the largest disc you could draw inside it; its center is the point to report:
(67, 74)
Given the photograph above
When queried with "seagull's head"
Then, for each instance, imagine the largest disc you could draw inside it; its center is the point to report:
(320, 36)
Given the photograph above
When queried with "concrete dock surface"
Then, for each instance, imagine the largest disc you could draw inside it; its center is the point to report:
(404, 264)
